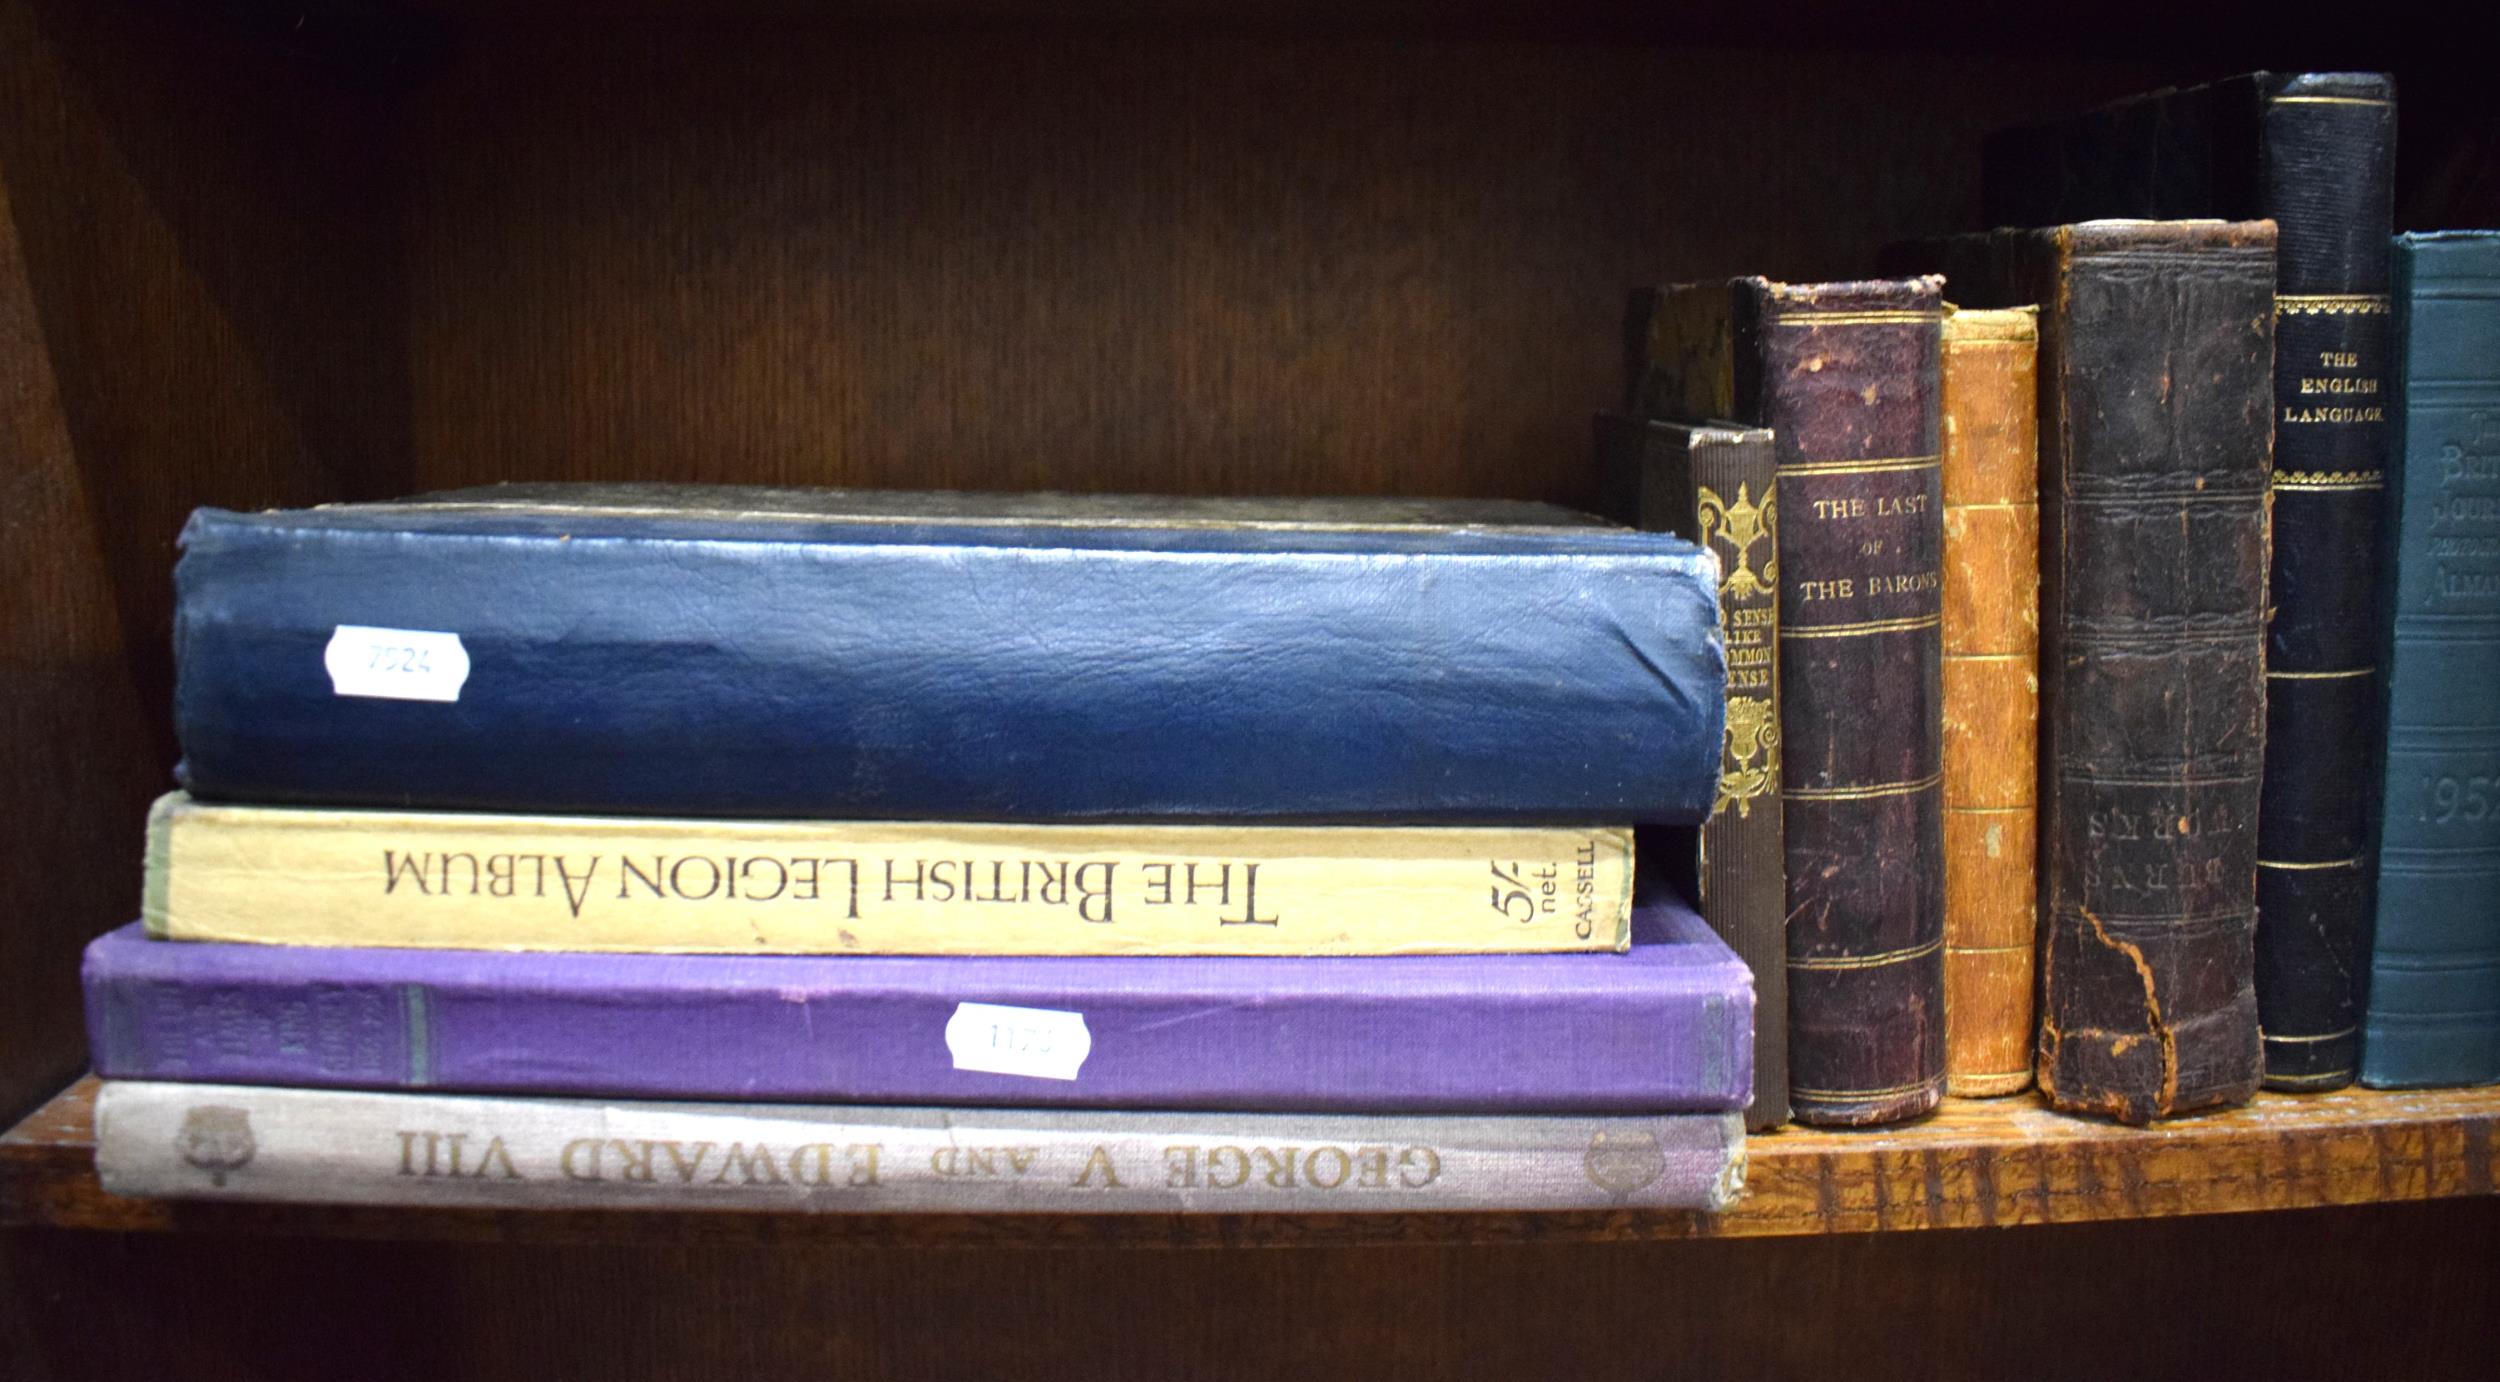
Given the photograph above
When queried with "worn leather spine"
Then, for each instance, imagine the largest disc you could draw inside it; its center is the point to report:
(1715, 484)
(2434, 1000)
(2315, 153)
(2156, 399)
(1845, 376)
(1991, 479)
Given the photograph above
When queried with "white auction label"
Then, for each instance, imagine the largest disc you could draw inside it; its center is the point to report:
(1043, 1043)
(396, 664)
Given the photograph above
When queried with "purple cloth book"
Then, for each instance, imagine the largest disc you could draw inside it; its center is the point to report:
(1667, 1025)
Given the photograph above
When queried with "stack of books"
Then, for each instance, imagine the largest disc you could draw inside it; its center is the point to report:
(808, 850)
(2065, 662)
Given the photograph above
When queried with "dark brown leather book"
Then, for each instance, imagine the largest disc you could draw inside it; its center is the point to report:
(1715, 484)
(2156, 436)
(1845, 375)
(1991, 695)
(2316, 153)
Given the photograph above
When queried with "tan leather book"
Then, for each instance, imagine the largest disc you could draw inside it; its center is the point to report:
(1991, 694)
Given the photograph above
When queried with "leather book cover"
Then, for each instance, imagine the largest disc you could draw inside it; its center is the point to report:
(2434, 999)
(2155, 426)
(788, 654)
(1715, 484)
(1845, 376)
(1665, 1025)
(2315, 153)
(1991, 694)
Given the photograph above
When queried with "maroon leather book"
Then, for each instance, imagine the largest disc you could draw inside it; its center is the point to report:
(2156, 438)
(1846, 377)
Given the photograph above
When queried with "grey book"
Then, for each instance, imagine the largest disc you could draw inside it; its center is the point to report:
(243, 1142)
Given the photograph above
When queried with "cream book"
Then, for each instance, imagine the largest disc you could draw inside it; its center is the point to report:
(295, 876)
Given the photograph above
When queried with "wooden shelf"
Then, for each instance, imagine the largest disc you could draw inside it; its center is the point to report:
(1976, 1164)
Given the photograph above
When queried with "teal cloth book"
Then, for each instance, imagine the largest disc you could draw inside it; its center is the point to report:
(2434, 1007)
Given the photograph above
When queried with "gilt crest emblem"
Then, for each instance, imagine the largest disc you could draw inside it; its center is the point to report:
(217, 1139)
(1751, 767)
(1735, 529)
(1624, 1163)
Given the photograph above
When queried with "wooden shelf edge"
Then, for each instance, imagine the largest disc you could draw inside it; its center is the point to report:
(1978, 1163)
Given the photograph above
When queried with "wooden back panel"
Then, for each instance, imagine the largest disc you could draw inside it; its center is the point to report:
(195, 308)
(1211, 263)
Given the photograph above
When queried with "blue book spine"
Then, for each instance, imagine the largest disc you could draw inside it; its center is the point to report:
(575, 653)
(2434, 1006)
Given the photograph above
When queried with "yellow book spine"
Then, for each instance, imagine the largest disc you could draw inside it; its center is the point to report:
(289, 876)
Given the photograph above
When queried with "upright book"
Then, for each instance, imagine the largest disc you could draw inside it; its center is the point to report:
(1991, 694)
(1714, 483)
(299, 1146)
(1845, 376)
(2315, 153)
(1666, 1025)
(467, 880)
(790, 654)
(2434, 1006)
(2156, 357)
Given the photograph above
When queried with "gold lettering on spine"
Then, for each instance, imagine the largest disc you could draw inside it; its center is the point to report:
(295, 876)
(1750, 765)
(1100, 1160)
(1240, 1163)
(590, 1168)
(751, 1164)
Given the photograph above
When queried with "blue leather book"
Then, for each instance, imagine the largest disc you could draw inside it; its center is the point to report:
(2434, 1006)
(727, 652)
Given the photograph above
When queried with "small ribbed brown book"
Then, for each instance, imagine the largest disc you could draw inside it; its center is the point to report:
(1845, 376)
(1714, 484)
(2156, 439)
(1991, 693)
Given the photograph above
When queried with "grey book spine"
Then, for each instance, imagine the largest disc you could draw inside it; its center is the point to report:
(239, 1142)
